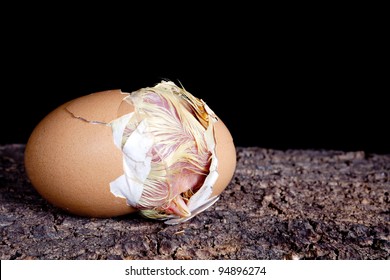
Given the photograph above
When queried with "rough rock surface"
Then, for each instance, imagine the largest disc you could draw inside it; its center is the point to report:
(294, 204)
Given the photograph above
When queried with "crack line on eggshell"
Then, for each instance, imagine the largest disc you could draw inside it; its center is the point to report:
(84, 119)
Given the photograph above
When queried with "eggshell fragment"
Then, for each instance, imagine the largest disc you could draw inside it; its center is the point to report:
(71, 158)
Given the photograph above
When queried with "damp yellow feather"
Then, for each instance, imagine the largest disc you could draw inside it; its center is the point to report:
(178, 124)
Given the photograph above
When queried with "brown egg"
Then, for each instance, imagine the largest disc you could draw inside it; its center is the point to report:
(71, 158)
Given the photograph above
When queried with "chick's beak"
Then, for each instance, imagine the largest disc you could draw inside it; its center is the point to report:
(179, 207)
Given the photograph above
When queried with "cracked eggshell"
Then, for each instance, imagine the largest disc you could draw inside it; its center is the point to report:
(71, 162)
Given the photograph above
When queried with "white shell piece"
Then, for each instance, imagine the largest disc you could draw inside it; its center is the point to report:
(118, 127)
(136, 164)
(116, 186)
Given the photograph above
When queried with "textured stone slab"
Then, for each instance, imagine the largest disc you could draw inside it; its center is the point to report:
(295, 204)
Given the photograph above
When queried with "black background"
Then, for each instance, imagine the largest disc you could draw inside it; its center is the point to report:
(297, 83)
